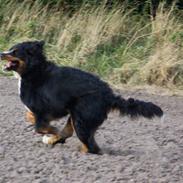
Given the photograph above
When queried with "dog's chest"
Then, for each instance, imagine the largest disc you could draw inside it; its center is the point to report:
(16, 75)
(19, 88)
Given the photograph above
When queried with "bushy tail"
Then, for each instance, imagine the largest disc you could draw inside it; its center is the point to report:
(135, 108)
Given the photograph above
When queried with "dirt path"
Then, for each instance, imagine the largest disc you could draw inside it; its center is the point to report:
(134, 151)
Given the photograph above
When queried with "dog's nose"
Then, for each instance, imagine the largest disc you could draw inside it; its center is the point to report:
(5, 53)
(0, 55)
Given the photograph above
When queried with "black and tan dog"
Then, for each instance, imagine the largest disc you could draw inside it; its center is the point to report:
(50, 92)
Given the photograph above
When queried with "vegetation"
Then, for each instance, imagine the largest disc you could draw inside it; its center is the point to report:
(119, 44)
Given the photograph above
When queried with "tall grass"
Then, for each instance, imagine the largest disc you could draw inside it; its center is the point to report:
(165, 64)
(116, 44)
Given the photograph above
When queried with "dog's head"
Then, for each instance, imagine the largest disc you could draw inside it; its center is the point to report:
(24, 56)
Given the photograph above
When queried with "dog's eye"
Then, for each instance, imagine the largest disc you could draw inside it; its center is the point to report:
(15, 51)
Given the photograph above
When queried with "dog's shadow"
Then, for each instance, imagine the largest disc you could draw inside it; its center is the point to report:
(120, 152)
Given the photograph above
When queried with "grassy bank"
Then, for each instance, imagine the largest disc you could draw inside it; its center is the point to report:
(116, 44)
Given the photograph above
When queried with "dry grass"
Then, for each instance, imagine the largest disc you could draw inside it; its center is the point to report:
(145, 52)
(77, 36)
(165, 64)
(164, 67)
(90, 28)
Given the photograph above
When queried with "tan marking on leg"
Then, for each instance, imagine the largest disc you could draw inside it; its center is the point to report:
(30, 117)
(53, 137)
(84, 149)
(68, 129)
(51, 140)
(48, 130)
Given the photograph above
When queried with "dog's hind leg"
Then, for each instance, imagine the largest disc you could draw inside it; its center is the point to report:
(89, 145)
(67, 131)
(87, 116)
(86, 136)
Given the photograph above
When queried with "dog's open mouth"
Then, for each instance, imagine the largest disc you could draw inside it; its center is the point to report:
(11, 65)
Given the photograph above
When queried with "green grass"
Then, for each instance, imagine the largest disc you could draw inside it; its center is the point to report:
(116, 44)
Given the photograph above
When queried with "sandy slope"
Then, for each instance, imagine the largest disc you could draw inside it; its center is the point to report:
(134, 151)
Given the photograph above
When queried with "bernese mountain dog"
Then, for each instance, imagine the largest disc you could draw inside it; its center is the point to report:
(51, 92)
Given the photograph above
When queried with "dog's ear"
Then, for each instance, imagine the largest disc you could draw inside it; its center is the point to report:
(41, 43)
(35, 47)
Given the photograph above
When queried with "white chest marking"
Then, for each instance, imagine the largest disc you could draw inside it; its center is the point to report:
(19, 81)
(19, 86)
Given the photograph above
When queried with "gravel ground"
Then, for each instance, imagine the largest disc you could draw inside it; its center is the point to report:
(139, 151)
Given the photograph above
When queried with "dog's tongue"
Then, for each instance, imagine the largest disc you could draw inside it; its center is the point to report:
(10, 64)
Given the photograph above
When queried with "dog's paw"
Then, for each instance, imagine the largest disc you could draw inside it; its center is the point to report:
(30, 117)
(50, 139)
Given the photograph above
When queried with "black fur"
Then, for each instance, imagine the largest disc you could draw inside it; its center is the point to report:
(52, 92)
(135, 108)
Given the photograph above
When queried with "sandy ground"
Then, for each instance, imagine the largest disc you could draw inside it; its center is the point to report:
(140, 150)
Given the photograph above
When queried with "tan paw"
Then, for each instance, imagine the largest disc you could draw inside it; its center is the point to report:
(84, 149)
(50, 139)
(30, 117)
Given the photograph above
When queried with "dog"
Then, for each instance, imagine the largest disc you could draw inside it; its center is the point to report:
(51, 92)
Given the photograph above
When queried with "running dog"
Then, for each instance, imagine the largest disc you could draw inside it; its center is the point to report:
(51, 92)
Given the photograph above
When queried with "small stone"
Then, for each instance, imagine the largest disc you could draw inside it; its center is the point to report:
(75, 154)
(2, 151)
(21, 170)
(41, 181)
(10, 168)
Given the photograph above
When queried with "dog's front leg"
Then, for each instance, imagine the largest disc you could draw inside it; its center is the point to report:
(43, 127)
(30, 117)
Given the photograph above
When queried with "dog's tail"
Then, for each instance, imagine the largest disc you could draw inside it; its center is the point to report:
(135, 108)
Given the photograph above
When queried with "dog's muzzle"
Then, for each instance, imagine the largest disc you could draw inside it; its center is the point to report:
(5, 53)
(12, 63)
